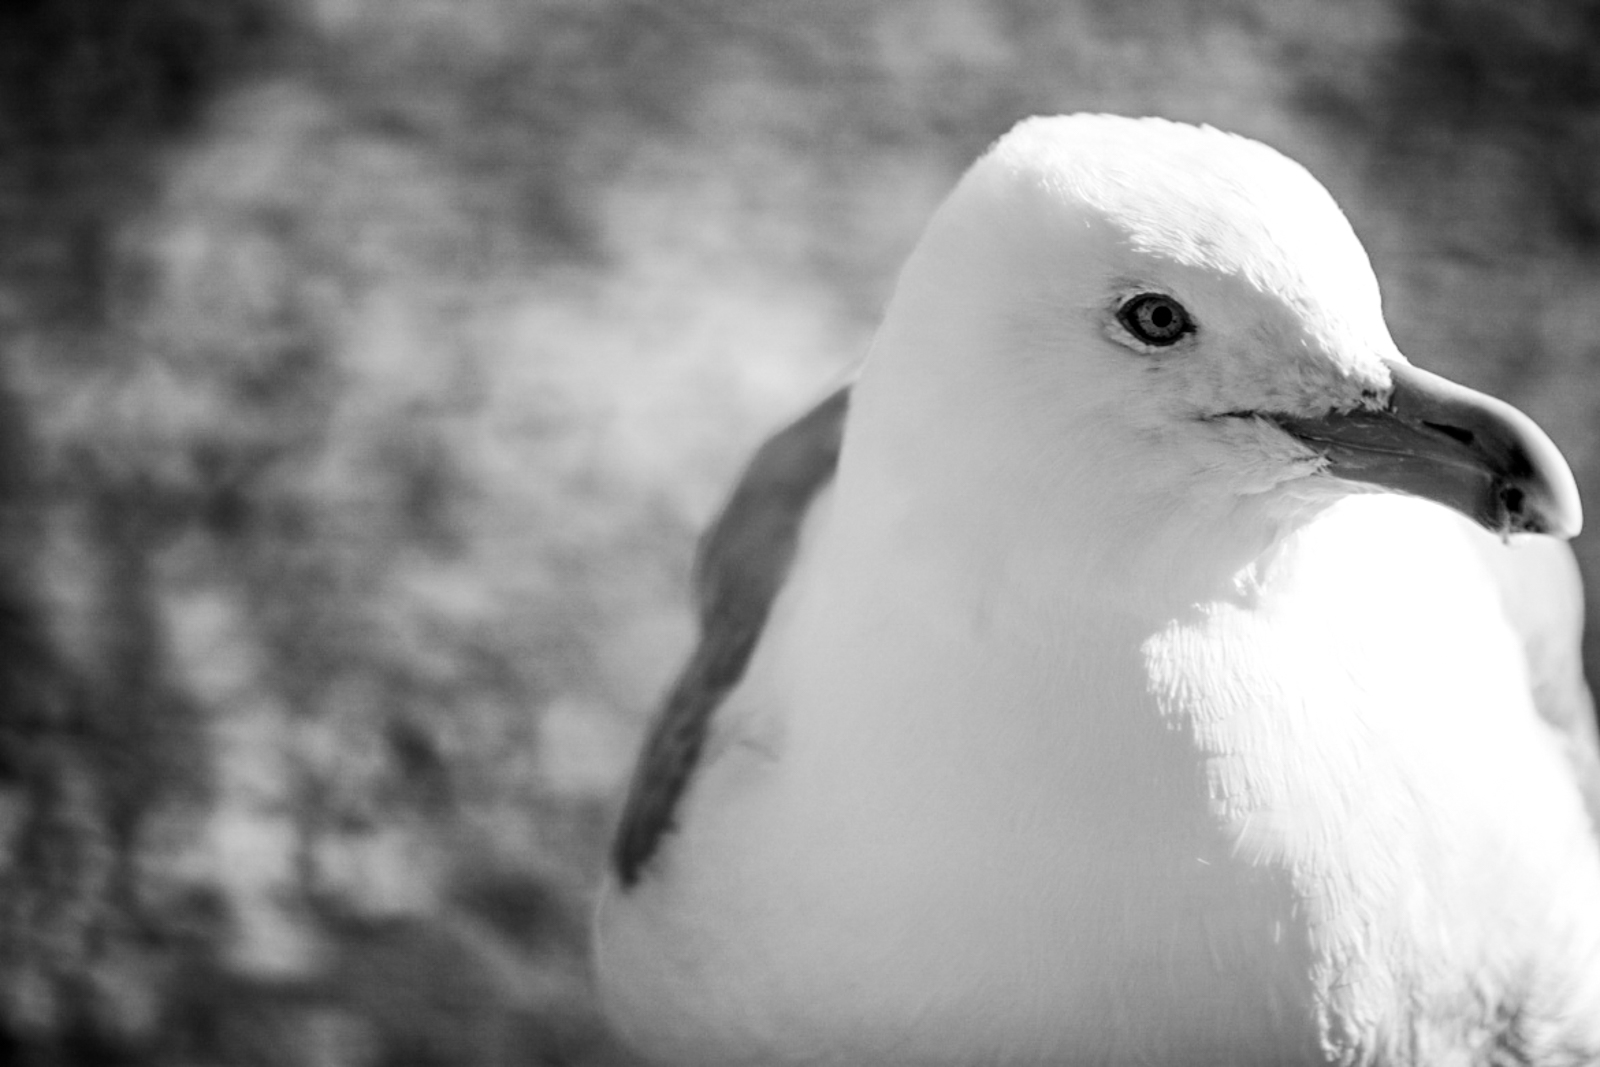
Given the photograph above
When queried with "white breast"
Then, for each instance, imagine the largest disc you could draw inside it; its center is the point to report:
(1239, 832)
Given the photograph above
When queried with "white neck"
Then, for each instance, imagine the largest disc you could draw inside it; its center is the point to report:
(967, 684)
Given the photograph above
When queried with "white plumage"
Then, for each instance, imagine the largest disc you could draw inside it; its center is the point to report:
(1125, 701)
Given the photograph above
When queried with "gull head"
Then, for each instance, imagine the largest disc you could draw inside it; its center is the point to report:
(1187, 314)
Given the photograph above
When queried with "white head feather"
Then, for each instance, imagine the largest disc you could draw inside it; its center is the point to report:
(1014, 290)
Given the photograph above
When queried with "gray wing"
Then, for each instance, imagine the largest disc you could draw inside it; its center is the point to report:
(741, 565)
(1543, 596)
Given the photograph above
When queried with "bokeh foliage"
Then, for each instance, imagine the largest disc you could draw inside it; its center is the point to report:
(368, 366)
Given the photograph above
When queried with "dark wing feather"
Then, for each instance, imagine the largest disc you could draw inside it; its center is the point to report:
(741, 565)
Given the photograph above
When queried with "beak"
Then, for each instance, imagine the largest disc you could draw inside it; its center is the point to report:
(1453, 445)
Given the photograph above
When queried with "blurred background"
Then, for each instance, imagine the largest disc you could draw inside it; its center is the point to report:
(367, 368)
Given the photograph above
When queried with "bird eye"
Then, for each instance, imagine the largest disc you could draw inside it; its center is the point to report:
(1155, 319)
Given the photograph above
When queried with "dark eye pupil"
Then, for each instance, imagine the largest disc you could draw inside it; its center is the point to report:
(1155, 319)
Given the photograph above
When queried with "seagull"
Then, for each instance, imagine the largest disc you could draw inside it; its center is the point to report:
(1139, 662)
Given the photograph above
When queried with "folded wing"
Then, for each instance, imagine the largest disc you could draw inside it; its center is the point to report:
(741, 565)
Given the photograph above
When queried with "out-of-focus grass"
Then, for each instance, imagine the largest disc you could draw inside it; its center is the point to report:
(370, 365)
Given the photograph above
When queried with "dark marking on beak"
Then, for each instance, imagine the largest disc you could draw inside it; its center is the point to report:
(1436, 439)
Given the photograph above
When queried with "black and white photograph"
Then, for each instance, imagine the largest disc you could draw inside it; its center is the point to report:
(799, 533)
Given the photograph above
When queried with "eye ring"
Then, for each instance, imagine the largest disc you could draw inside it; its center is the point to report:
(1155, 318)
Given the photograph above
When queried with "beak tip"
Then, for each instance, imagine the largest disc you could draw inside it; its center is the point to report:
(1544, 498)
(1557, 510)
